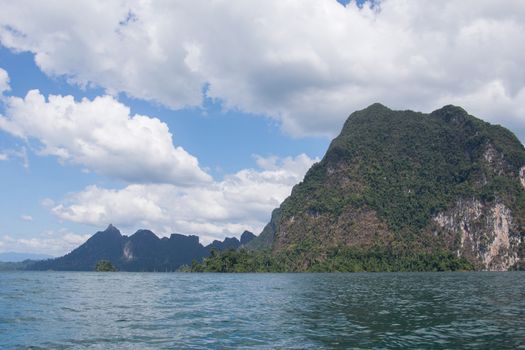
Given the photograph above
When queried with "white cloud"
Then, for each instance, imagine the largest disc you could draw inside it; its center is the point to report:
(243, 200)
(26, 217)
(4, 81)
(20, 153)
(306, 63)
(102, 136)
(52, 243)
(493, 100)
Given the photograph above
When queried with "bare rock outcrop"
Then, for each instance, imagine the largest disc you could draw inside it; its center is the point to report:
(485, 232)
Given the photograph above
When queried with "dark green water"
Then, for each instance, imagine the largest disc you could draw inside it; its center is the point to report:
(261, 311)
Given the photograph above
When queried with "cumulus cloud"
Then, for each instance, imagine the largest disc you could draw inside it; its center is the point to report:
(102, 136)
(4, 156)
(307, 64)
(51, 242)
(4, 81)
(241, 201)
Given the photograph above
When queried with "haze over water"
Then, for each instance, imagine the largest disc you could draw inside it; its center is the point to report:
(66, 310)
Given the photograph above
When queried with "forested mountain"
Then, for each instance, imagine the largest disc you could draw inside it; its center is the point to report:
(402, 190)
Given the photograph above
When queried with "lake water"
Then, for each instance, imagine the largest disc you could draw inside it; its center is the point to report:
(66, 310)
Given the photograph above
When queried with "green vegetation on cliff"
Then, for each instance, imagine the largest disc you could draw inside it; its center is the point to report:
(334, 260)
(408, 166)
(443, 184)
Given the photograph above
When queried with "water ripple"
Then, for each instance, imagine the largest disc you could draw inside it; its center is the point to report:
(51, 310)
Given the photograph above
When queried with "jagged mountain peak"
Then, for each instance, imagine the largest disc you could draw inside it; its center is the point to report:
(246, 237)
(111, 228)
(142, 251)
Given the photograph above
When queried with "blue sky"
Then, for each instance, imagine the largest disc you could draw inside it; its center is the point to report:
(224, 142)
(199, 118)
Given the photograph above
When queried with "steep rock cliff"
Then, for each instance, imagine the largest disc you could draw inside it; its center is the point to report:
(410, 183)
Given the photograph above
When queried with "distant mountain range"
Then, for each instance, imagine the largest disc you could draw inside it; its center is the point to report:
(142, 251)
(18, 257)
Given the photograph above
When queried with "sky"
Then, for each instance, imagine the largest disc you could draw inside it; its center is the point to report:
(200, 117)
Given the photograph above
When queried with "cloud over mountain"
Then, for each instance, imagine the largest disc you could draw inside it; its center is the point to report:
(304, 63)
(240, 201)
(49, 242)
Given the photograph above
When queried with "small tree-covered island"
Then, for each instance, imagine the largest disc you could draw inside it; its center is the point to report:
(105, 266)
(396, 191)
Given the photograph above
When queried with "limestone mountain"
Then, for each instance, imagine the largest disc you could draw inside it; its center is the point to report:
(142, 251)
(408, 183)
